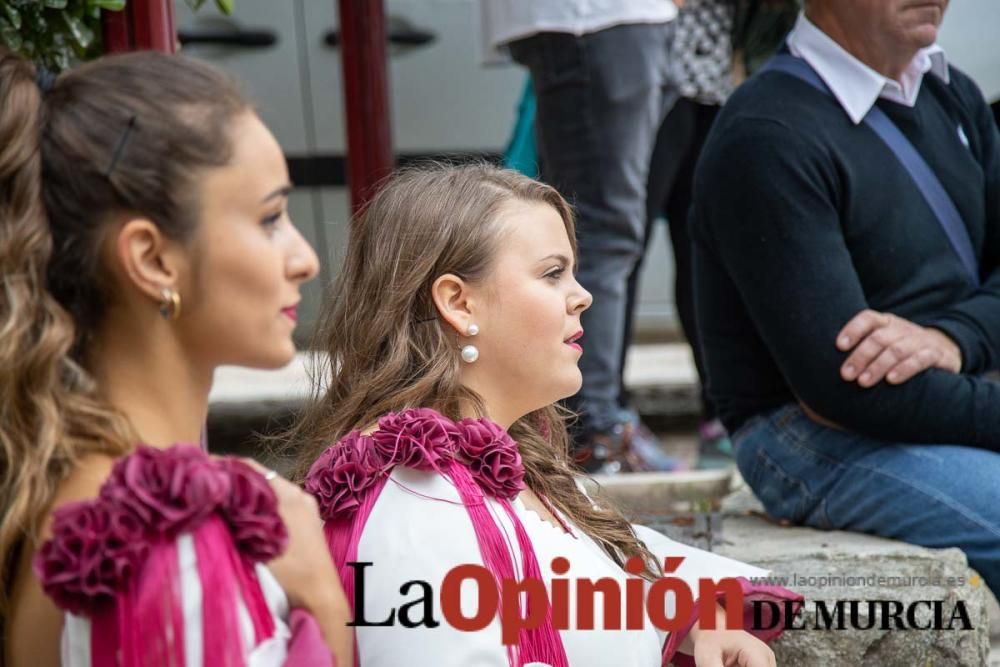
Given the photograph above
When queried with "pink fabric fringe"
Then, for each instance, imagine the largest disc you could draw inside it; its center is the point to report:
(223, 573)
(114, 560)
(750, 593)
(541, 644)
(492, 546)
(343, 537)
(152, 608)
(544, 641)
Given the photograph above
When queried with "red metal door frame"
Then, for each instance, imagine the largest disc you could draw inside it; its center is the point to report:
(142, 25)
(149, 24)
(366, 97)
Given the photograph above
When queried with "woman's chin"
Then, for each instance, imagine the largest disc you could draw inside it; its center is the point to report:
(572, 384)
(271, 359)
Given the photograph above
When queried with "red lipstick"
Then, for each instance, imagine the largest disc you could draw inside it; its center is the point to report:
(571, 341)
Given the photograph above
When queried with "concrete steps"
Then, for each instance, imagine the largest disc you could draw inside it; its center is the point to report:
(714, 510)
(662, 367)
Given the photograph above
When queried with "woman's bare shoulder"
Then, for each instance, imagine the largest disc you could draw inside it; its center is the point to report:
(83, 483)
(36, 623)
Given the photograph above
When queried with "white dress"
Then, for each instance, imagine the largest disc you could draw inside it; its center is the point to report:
(151, 573)
(419, 530)
(272, 652)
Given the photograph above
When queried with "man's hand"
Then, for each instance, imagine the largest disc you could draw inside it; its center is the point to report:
(883, 345)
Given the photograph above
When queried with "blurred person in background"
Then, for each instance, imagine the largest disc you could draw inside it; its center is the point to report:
(846, 227)
(716, 43)
(601, 78)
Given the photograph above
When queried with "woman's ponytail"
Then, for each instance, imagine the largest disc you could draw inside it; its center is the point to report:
(49, 416)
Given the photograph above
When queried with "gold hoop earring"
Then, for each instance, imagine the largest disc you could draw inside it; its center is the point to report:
(170, 308)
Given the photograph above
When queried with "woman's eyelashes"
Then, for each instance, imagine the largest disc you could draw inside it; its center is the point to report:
(555, 274)
(271, 221)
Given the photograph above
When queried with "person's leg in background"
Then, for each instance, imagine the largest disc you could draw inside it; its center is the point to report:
(671, 174)
(673, 144)
(600, 101)
(715, 449)
(935, 496)
(701, 71)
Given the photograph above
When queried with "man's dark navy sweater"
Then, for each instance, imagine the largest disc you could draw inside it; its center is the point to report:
(802, 219)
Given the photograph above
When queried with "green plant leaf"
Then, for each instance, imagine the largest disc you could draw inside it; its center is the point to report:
(58, 33)
(12, 15)
(82, 35)
(110, 5)
(10, 38)
(60, 61)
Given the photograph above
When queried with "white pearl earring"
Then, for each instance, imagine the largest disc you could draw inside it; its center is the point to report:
(470, 352)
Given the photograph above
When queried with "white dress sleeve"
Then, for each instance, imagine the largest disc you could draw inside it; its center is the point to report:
(417, 531)
(698, 564)
(76, 637)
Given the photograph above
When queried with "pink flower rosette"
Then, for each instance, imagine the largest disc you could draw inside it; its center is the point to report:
(95, 549)
(419, 438)
(251, 510)
(341, 474)
(167, 489)
(492, 457)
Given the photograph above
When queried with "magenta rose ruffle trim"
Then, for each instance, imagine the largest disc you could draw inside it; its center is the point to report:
(419, 438)
(153, 495)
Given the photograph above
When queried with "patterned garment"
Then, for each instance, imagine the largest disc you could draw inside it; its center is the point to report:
(703, 51)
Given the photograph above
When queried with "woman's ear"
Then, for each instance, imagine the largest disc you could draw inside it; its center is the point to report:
(452, 298)
(148, 260)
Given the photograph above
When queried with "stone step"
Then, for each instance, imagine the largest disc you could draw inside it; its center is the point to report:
(649, 367)
(243, 401)
(827, 566)
(650, 493)
(836, 565)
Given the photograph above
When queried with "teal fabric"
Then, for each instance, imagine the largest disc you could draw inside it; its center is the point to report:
(521, 154)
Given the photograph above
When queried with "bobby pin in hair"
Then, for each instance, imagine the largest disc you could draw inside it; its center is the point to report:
(120, 148)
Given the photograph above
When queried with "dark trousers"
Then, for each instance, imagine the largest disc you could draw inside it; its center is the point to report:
(678, 145)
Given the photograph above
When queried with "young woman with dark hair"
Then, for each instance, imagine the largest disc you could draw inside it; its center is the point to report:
(145, 241)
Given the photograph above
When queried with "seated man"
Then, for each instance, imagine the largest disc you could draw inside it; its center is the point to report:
(847, 319)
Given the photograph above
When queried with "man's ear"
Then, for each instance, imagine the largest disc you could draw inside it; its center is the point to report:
(148, 260)
(453, 300)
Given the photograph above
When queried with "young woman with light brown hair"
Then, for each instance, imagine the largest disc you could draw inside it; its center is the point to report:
(144, 241)
(434, 439)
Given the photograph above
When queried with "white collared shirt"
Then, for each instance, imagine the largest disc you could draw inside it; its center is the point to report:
(856, 85)
(507, 20)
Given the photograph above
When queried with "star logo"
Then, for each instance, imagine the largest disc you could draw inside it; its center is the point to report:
(975, 581)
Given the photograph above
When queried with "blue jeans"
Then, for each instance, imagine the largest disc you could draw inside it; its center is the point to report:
(935, 496)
